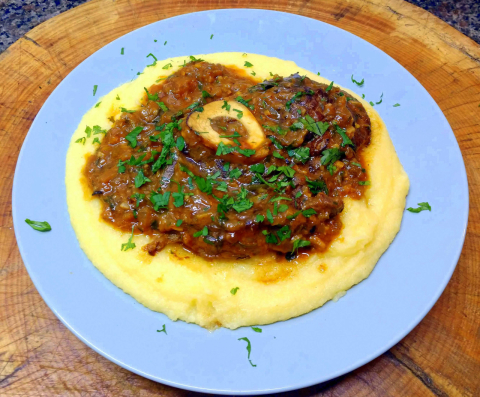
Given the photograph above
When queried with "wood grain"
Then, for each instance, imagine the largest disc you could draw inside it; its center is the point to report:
(440, 357)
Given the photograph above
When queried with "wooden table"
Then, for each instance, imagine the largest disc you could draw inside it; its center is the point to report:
(440, 357)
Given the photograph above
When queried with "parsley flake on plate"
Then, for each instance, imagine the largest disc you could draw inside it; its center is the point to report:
(40, 226)
(421, 207)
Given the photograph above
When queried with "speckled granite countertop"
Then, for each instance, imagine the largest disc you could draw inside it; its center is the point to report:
(17, 17)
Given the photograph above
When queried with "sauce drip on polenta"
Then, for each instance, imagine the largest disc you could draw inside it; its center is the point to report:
(231, 167)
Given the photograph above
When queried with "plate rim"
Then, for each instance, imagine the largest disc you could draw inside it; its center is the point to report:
(396, 339)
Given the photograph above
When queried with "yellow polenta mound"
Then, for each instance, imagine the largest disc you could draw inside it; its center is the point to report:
(190, 288)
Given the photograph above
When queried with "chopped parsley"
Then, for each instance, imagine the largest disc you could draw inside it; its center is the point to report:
(163, 329)
(203, 232)
(98, 104)
(244, 102)
(167, 66)
(359, 83)
(138, 198)
(329, 156)
(122, 51)
(235, 135)
(296, 126)
(301, 154)
(180, 143)
(162, 106)
(421, 207)
(364, 183)
(179, 222)
(299, 244)
(277, 129)
(95, 89)
(318, 127)
(343, 134)
(154, 60)
(211, 37)
(397, 105)
(381, 99)
(269, 216)
(249, 350)
(123, 110)
(132, 136)
(226, 106)
(317, 186)
(96, 140)
(81, 140)
(233, 291)
(256, 329)
(239, 113)
(329, 87)
(205, 94)
(279, 156)
(260, 218)
(159, 200)
(129, 245)
(235, 173)
(296, 96)
(248, 64)
(40, 226)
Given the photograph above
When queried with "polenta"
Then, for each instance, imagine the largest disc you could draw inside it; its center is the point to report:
(233, 172)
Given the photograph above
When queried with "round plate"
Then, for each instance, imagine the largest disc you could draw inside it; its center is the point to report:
(313, 348)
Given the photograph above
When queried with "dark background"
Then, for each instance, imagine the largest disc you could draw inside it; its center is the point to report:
(17, 17)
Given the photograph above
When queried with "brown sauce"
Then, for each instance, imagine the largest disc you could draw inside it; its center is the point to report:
(156, 175)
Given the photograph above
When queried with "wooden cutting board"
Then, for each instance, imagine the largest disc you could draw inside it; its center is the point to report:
(440, 357)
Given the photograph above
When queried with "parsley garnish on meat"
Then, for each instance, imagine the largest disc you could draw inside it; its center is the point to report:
(138, 198)
(159, 200)
(40, 226)
(331, 155)
(299, 244)
(421, 207)
(343, 134)
(277, 129)
(295, 97)
(301, 153)
(141, 179)
(129, 244)
(311, 125)
(244, 102)
(329, 87)
(132, 136)
(203, 232)
(317, 186)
